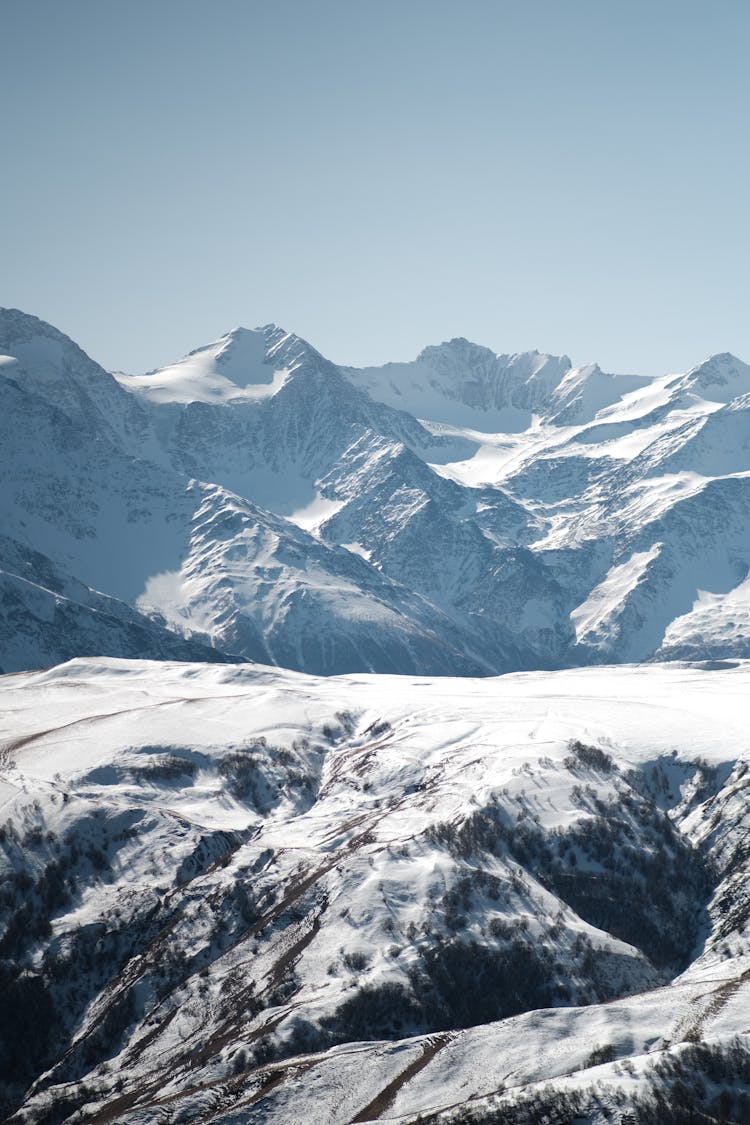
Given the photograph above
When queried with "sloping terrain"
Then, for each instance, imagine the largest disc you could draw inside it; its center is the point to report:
(466, 513)
(55, 617)
(239, 894)
(94, 485)
(234, 892)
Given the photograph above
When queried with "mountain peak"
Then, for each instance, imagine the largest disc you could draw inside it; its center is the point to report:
(720, 378)
(18, 327)
(241, 336)
(718, 361)
(241, 357)
(48, 359)
(240, 364)
(457, 350)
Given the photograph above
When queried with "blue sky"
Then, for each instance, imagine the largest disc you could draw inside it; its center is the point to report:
(570, 176)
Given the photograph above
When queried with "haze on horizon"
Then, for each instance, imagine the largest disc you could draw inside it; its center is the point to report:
(377, 178)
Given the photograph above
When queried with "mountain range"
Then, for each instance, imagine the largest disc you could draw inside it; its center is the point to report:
(462, 514)
(373, 742)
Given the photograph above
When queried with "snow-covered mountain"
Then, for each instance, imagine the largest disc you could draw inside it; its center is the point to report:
(104, 490)
(464, 513)
(56, 617)
(459, 383)
(232, 891)
(240, 894)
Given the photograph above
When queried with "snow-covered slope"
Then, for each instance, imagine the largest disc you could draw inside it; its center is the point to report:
(463, 513)
(101, 487)
(256, 584)
(40, 360)
(459, 383)
(238, 365)
(240, 894)
(48, 617)
(527, 526)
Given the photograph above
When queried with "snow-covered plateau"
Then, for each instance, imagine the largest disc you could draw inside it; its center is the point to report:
(373, 742)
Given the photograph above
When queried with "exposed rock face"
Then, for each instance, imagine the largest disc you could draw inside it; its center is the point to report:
(463, 514)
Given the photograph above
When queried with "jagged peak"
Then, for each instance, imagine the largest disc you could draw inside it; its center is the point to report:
(721, 377)
(457, 348)
(583, 372)
(234, 337)
(461, 351)
(19, 327)
(251, 363)
(719, 361)
(273, 337)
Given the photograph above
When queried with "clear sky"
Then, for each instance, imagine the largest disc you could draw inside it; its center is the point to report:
(567, 175)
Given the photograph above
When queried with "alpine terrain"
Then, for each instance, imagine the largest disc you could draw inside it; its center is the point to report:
(373, 742)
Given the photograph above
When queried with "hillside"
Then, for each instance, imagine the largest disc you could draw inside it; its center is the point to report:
(240, 894)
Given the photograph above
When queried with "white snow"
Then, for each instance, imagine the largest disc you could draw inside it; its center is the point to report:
(312, 515)
(716, 622)
(233, 367)
(358, 549)
(484, 547)
(449, 747)
(596, 613)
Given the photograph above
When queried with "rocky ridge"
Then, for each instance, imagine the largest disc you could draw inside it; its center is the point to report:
(489, 513)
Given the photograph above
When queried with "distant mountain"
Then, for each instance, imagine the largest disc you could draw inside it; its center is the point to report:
(466, 513)
(459, 383)
(47, 617)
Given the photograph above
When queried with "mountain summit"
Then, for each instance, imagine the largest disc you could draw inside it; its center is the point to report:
(466, 512)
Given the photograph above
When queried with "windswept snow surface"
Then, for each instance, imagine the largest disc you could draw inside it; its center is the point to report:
(248, 895)
(236, 366)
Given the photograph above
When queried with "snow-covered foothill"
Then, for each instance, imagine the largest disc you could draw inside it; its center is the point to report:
(252, 893)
